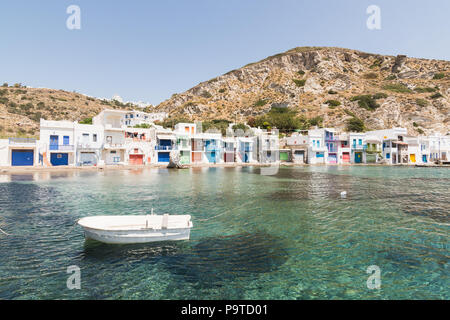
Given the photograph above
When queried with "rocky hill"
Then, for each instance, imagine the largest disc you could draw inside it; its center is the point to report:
(336, 84)
(21, 108)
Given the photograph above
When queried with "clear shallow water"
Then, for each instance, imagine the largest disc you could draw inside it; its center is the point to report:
(286, 236)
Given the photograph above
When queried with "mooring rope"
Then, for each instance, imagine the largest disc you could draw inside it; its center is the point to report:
(1, 230)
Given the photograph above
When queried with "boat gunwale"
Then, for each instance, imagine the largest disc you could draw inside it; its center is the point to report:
(189, 226)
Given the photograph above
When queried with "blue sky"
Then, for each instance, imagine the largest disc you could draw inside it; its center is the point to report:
(148, 50)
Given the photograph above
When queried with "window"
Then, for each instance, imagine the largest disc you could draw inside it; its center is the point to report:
(94, 137)
(359, 141)
(354, 142)
(66, 140)
(85, 137)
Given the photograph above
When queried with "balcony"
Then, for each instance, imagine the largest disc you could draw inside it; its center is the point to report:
(114, 144)
(372, 149)
(333, 150)
(357, 146)
(62, 147)
(16, 141)
(164, 148)
(87, 146)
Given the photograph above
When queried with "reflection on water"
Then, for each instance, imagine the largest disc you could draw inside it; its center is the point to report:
(282, 236)
(215, 261)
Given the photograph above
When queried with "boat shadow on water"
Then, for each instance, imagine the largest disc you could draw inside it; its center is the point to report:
(213, 262)
(205, 263)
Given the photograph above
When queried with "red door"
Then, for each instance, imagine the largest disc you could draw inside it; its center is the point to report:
(346, 157)
(136, 159)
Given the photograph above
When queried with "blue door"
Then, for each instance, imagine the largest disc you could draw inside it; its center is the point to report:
(424, 158)
(163, 156)
(22, 158)
(59, 159)
(53, 142)
(246, 157)
(358, 157)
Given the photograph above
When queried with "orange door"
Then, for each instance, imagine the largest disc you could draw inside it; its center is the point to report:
(136, 159)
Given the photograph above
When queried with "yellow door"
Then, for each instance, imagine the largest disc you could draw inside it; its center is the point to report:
(412, 157)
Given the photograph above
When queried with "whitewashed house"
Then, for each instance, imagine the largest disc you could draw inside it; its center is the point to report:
(268, 146)
(114, 136)
(135, 117)
(89, 141)
(57, 143)
(19, 152)
(184, 133)
(357, 141)
(317, 150)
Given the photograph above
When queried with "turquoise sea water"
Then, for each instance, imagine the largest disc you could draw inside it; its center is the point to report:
(285, 236)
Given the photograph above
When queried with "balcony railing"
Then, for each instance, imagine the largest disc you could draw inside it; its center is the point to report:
(22, 141)
(62, 147)
(168, 148)
(86, 146)
(357, 146)
(109, 144)
(333, 150)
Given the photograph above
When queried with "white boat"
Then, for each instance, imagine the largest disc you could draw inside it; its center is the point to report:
(136, 229)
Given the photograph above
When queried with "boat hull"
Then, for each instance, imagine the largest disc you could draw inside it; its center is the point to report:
(137, 236)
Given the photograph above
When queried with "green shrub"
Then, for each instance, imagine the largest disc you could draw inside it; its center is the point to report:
(436, 95)
(142, 125)
(36, 117)
(299, 82)
(380, 95)
(5, 84)
(415, 124)
(377, 63)
(333, 103)
(222, 90)
(316, 121)
(206, 94)
(425, 90)
(3, 92)
(439, 76)
(355, 125)
(86, 121)
(301, 72)
(397, 87)
(349, 113)
(391, 77)
(420, 131)
(366, 101)
(4, 100)
(261, 102)
(422, 102)
(332, 92)
(240, 126)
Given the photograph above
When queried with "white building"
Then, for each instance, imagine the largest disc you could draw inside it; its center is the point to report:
(135, 117)
(317, 150)
(89, 141)
(19, 152)
(57, 140)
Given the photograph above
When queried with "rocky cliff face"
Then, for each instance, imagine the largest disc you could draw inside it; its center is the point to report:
(412, 93)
